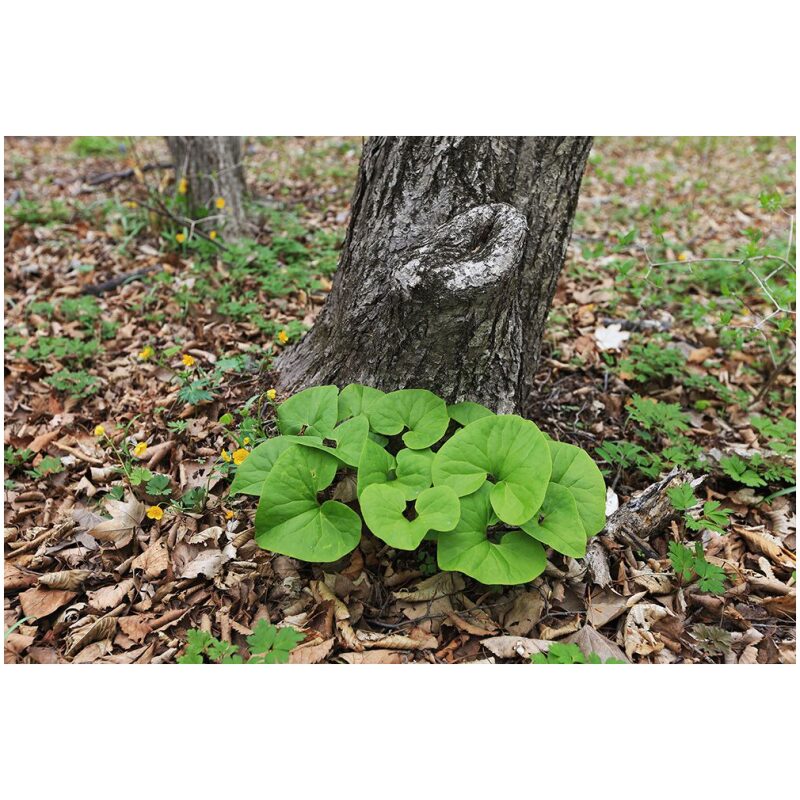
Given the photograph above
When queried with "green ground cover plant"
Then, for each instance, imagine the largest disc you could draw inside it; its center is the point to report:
(491, 490)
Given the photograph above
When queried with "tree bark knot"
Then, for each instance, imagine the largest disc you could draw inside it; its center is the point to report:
(470, 253)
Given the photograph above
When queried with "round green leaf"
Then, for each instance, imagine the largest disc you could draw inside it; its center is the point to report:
(346, 441)
(356, 399)
(311, 412)
(512, 450)
(422, 412)
(383, 507)
(466, 412)
(291, 521)
(516, 558)
(409, 471)
(558, 524)
(374, 466)
(251, 473)
(574, 469)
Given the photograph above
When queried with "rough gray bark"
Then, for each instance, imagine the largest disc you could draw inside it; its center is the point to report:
(448, 269)
(212, 167)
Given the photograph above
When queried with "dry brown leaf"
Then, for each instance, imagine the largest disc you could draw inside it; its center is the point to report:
(154, 561)
(700, 354)
(591, 641)
(322, 592)
(211, 534)
(782, 606)
(637, 635)
(395, 641)
(375, 657)
(136, 627)
(125, 516)
(15, 578)
(652, 582)
(15, 644)
(605, 606)
(749, 655)
(768, 545)
(38, 602)
(93, 652)
(562, 629)
(524, 614)
(42, 440)
(440, 585)
(469, 627)
(90, 631)
(515, 646)
(109, 596)
(312, 652)
(70, 579)
(193, 560)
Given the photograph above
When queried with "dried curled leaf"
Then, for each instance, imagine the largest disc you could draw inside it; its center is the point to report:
(88, 633)
(70, 579)
(440, 585)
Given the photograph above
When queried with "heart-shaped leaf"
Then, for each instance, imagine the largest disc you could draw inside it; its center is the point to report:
(384, 506)
(409, 471)
(558, 524)
(346, 441)
(515, 558)
(511, 451)
(356, 399)
(312, 412)
(291, 521)
(466, 412)
(420, 411)
(574, 469)
(251, 473)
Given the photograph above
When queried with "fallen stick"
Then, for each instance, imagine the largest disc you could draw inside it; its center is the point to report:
(105, 177)
(633, 523)
(107, 286)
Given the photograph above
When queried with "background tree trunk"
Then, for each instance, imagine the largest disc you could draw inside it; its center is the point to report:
(448, 268)
(212, 167)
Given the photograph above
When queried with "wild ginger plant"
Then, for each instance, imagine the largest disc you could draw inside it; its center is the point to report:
(491, 490)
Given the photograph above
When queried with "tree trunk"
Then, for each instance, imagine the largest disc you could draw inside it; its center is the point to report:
(212, 169)
(448, 269)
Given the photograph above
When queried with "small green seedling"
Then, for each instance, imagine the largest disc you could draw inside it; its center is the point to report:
(713, 517)
(691, 564)
(682, 497)
(560, 653)
(267, 644)
(738, 469)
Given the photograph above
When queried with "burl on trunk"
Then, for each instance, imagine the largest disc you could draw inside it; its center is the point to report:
(448, 268)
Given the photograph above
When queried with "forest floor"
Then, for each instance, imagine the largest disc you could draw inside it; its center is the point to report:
(654, 358)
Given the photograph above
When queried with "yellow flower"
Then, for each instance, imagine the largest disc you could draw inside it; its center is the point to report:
(140, 449)
(240, 455)
(228, 514)
(271, 394)
(146, 353)
(283, 337)
(212, 235)
(682, 257)
(99, 430)
(182, 186)
(132, 204)
(180, 238)
(246, 440)
(226, 456)
(154, 512)
(220, 203)
(188, 361)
